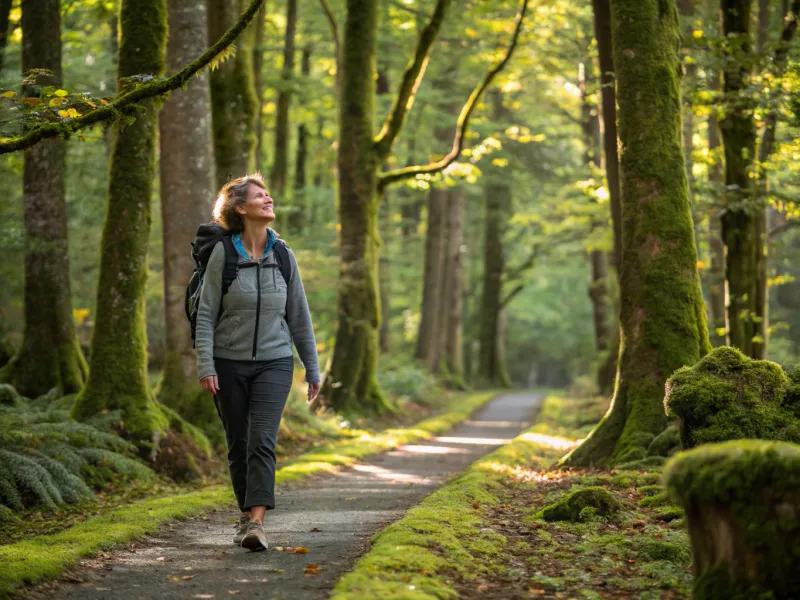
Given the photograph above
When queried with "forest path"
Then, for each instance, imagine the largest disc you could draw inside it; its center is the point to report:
(333, 515)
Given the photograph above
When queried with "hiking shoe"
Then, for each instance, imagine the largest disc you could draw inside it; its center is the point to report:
(255, 539)
(241, 529)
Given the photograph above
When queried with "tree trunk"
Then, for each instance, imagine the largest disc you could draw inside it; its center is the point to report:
(233, 96)
(385, 275)
(351, 384)
(717, 287)
(454, 301)
(258, 81)
(431, 279)
(739, 219)
(741, 506)
(50, 356)
(186, 177)
(280, 159)
(662, 313)
(5, 10)
(118, 373)
(298, 222)
(608, 125)
(491, 363)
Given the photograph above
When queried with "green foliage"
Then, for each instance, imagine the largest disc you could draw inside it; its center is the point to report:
(665, 443)
(571, 507)
(728, 396)
(47, 459)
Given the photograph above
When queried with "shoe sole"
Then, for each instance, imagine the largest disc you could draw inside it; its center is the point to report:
(252, 543)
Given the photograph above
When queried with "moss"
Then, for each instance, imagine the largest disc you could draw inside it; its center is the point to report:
(670, 514)
(665, 443)
(654, 550)
(750, 490)
(570, 506)
(651, 490)
(729, 396)
(644, 464)
(9, 395)
(660, 499)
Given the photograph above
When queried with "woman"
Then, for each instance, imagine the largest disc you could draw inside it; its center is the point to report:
(244, 350)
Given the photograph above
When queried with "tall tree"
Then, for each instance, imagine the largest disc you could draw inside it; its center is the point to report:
(50, 356)
(233, 96)
(660, 332)
(431, 279)
(717, 302)
(186, 178)
(258, 81)
(280, 158)
(118, 373)
(738, 130)
(351, 384)
(301, 154)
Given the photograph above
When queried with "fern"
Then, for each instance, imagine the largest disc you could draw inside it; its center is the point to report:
(66, 455)
(118, 463)
(30, 475)
(227, 54)
(81, 435)
(72, 488)
(9, 496)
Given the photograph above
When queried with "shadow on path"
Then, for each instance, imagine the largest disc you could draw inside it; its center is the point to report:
(333, 515)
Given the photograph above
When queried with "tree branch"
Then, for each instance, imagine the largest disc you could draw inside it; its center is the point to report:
(326, 7)
(389, 177)
(412, 77)
(126, 101)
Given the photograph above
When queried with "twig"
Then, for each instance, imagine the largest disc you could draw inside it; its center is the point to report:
(326, 7)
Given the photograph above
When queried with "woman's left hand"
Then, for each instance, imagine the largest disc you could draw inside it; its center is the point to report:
(313, 391)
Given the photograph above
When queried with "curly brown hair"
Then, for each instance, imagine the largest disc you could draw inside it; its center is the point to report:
(233, 194)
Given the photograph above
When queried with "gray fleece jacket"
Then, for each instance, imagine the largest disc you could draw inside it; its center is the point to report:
(261, 315)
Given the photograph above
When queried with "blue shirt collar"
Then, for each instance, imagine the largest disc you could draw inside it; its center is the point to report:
(237, 243)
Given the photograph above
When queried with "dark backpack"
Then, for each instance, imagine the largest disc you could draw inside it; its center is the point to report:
(206, 238)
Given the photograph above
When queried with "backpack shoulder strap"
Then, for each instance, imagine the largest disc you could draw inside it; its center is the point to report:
(283, 260)
(231, 263)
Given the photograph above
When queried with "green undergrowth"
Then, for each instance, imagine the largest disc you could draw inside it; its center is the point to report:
(486, 534)
(46, 556)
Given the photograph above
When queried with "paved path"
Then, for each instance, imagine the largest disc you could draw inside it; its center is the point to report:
(332, 515)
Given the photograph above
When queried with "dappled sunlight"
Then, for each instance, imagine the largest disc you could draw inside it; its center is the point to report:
(511, 424)
(471, 440)
(524, 473)
(417, 449)
(549, 441)
(392, 476)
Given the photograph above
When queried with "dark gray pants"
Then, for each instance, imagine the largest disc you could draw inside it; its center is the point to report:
(250, 403)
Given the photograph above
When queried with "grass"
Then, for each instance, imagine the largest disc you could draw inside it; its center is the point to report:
(47, 556)
(482, 536)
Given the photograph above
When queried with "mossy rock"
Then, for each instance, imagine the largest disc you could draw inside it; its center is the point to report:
(666, 443)
(727, 396)
(9, 396)
(742, 503)
(572, 505)
(792, 398)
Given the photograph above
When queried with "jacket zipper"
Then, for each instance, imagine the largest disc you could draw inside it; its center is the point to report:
(258, 307)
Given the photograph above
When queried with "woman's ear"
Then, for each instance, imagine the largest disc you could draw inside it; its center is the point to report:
(240, 209)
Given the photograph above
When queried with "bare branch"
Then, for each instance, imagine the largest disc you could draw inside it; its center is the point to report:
(412, 77)
(125, 102)
(389, 177)
(783, 227)
(326, 7)
(510, 296)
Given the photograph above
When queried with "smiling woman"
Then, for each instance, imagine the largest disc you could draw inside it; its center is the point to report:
(244, 339)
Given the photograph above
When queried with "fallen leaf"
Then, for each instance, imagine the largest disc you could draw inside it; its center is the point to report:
(312, 569)
(316, 530)
(233, 592)
(187, 577)
(9, 94)
(301, 550)
(162, 559)
(476, 505)
(187, 568)
(31, 101)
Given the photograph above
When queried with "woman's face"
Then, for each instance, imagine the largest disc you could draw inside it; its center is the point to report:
(259, 205)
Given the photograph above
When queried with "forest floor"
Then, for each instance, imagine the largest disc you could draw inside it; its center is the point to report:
(319, 528)
(483, 536)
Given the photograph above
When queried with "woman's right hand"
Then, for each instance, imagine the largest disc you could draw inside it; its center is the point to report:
(210, 384)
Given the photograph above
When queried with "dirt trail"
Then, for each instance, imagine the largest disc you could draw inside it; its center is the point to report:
(332, 515)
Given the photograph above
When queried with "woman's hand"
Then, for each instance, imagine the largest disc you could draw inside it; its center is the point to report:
(313, 391)
(210, 384)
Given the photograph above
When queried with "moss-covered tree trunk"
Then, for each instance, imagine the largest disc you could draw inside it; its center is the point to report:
(351, 384)
(739, 232)
(298, 220)
(233, 96)
(280, 155)
(50, 356)
(454, 289)
(187, 183)
(491, 363)
(5, 11)
(662, 312)
(118, 368)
